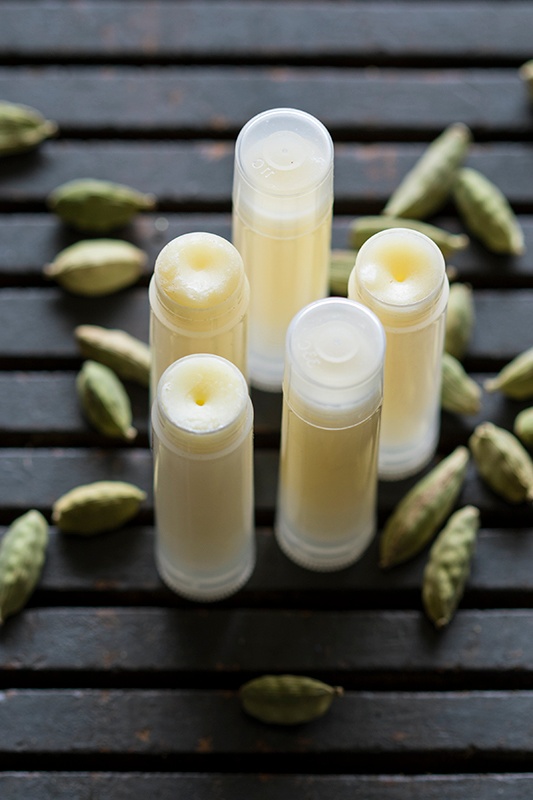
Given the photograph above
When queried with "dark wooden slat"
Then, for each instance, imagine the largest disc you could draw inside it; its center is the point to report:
(123, 564)
(38, 476)
(211, 101)
(29, 403)
(362, 730)
(31, 240)
(138, 786)
(502, 330)
(217, 643)
(482, 30)
(200, 174)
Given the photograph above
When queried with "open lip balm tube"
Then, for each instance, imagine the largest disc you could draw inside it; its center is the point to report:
(332, 394)
(282, 206)
(199, 296)
(203, 477)
(400, 274)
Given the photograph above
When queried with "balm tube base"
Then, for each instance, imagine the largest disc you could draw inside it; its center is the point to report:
(205, 587)
(320, 557)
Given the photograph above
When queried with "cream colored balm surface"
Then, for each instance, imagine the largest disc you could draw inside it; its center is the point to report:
(203, 477)
(332, 393)
(400, 275)
(199, 299)
(282, 202)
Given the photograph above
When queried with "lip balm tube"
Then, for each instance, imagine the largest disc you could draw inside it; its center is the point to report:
(282, 206)
(400, 274)
(199, 296)
(332, 393)
(203, 477)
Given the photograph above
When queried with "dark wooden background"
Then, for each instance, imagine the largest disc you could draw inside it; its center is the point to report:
(113, 687)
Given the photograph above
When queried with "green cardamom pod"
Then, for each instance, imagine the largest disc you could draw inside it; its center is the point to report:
(287, 699)
(460, 318)
(427, 186)
(22, 128)
(96, 267)
(96, 205)
(486, 212)
(503, 463)
(515, 380)
(118, 350)
(523, 427)
(22, 554)
(460, 394)
(105, 401)
(526, 73)
(448, 566)
(341, 263)
(97, 507)
(365, 227)
(419, 514)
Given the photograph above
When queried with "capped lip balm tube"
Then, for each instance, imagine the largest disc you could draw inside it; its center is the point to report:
(199, 296)
(400, 274)
(282, 207)
(203, 478)
(332, 393)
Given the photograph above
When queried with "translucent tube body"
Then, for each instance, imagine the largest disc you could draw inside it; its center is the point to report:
(282, 205)
(400, 274)
(199, 296)
(332, 391)
(203, 477)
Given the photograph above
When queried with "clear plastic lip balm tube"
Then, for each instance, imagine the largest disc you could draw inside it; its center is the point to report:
(199, 296)
(203, 477)
(282, 206)
(332, 394)
(400, 274)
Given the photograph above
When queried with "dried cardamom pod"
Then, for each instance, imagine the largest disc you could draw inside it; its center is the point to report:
(516, 378)
(418, 516)
(526, 73)
(460, 318)
(22, 554)
(118, 350)
(96, 267)
(97, 507)
(365, 227)
(448, 566)
(96, 205)
(459, 393)
(287, 699)
(428, 184)
(341, 263)
(105, 401)
(503, 463)
(487, 213)
(523, 427)
(22, 128)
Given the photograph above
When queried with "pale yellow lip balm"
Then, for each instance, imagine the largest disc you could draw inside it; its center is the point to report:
(332, 392)
(282, 206)
(203, 477)
(199, 296)
(400, 274)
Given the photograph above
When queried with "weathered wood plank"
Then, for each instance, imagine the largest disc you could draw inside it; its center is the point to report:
(199, 175)
(214, 645)
(121, 566)
(30, 403)
(38, 476)
(31, 240)
(214, 101)
(138, 786)
(191, 30)
(502, 330)
(362, 730)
